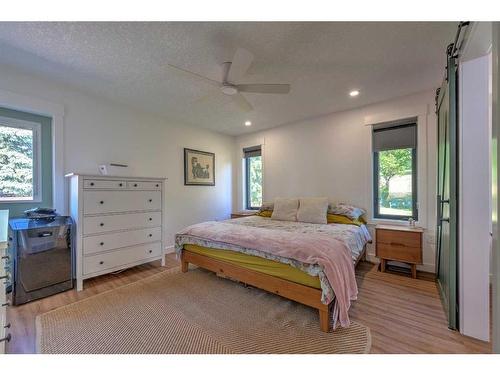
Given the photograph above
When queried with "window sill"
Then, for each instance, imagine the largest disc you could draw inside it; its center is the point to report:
(402, 223)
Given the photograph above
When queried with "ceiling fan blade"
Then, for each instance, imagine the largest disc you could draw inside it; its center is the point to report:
(264, 88)
(241, 62)
(195, 75)
(241, 102)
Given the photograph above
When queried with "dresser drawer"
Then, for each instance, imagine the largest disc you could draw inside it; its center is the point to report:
(104, 184)
(109, 223)
(99, 202)
(104, 242)
(399, 238)
(122, 257)
(144, 185)
(400, 253)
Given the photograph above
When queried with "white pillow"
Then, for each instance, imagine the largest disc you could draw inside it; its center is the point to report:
(285, 209)
(312, 210)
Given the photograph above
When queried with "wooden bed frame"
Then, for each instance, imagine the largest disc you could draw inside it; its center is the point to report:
(297, 292)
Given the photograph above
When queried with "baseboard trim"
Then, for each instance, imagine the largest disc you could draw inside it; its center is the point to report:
(169, 249)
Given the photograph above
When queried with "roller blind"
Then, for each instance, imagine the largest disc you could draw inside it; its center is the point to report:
(250, 152)
(394, 137)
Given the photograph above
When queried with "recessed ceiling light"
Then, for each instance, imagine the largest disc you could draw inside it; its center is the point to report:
(354, 93)
(248, 123)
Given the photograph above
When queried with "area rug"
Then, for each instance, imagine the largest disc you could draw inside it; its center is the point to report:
(195, 312)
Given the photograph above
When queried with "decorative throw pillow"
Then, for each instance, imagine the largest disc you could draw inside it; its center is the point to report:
(341, 219)
(267, 206)
(265, 213)
(351, 212)
(312, 210)
(285, 209)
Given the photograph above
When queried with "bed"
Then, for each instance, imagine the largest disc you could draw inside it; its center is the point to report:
(220, 247)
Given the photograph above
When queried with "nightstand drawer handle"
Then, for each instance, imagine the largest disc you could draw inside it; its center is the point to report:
(398, 244)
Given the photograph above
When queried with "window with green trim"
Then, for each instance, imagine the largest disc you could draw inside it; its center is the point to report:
(253, 179)
(20, 161)
(395, 171)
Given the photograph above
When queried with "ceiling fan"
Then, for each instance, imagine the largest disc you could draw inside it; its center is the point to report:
(232, 72)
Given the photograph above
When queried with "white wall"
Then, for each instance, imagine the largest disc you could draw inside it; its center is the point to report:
(331, 156)
(98, 131)
(474, 189)
(474, 195)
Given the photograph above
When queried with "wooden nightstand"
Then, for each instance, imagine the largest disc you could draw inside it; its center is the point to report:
(236, 215)
(399, 243)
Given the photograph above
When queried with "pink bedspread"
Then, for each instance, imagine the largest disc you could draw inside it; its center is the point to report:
(322, 249)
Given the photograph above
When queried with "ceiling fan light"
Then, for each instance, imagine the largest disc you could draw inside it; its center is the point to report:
(354, 93)
(229, 90)
(248, 123)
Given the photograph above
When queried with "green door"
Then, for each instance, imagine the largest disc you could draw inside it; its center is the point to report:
(446, 231)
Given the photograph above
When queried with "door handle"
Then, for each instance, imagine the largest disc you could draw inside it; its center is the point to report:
(6, 338)
(447, 219)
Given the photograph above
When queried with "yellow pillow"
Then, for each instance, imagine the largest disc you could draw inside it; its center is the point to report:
(265, 213)
(341, 219)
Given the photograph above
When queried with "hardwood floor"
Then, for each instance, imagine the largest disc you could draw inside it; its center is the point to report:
(405, 315)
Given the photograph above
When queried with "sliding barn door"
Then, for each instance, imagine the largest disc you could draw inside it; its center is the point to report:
(446, 232)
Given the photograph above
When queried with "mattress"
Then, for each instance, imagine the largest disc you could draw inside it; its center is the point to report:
(258, 264)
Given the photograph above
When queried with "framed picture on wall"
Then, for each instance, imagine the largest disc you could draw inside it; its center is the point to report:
(199, 167)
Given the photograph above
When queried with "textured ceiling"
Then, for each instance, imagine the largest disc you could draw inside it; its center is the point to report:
(127, 62)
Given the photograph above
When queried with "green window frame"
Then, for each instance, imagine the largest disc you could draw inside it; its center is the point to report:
(249, 155)
(394, 137)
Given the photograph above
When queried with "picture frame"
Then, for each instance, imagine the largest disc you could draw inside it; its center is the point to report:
(199, 168)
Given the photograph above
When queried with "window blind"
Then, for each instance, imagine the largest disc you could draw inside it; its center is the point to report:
(394, 137)
(250, 152)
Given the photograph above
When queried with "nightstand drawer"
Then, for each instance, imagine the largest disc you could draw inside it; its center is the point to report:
(398, 252)
(399, 238)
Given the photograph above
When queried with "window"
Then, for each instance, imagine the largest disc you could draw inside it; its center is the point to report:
(395, 171)
(19, 161)
(253, 173)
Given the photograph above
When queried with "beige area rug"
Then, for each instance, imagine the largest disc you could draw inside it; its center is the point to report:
(194, 312)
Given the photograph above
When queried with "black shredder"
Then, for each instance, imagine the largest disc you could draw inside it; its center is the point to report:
(41, 257)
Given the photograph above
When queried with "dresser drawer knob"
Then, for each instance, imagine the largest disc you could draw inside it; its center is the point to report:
(91, 184)
(5, 304)
(7, 326)
(150, 235)
(101, 262)
(6, 338)
(150, 200)
(157, 185)
(150, 251)
(102, 224)
(101, 202)
(135, 185)
(120, 184)
(6, 257)
(102, 243)
(150, 219)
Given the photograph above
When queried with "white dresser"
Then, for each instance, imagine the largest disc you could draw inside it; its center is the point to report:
(4, 335)
(118, 223)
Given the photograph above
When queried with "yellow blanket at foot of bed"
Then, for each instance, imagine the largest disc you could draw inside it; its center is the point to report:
(266, 266)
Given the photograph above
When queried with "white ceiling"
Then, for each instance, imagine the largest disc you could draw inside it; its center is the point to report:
(127, 62)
